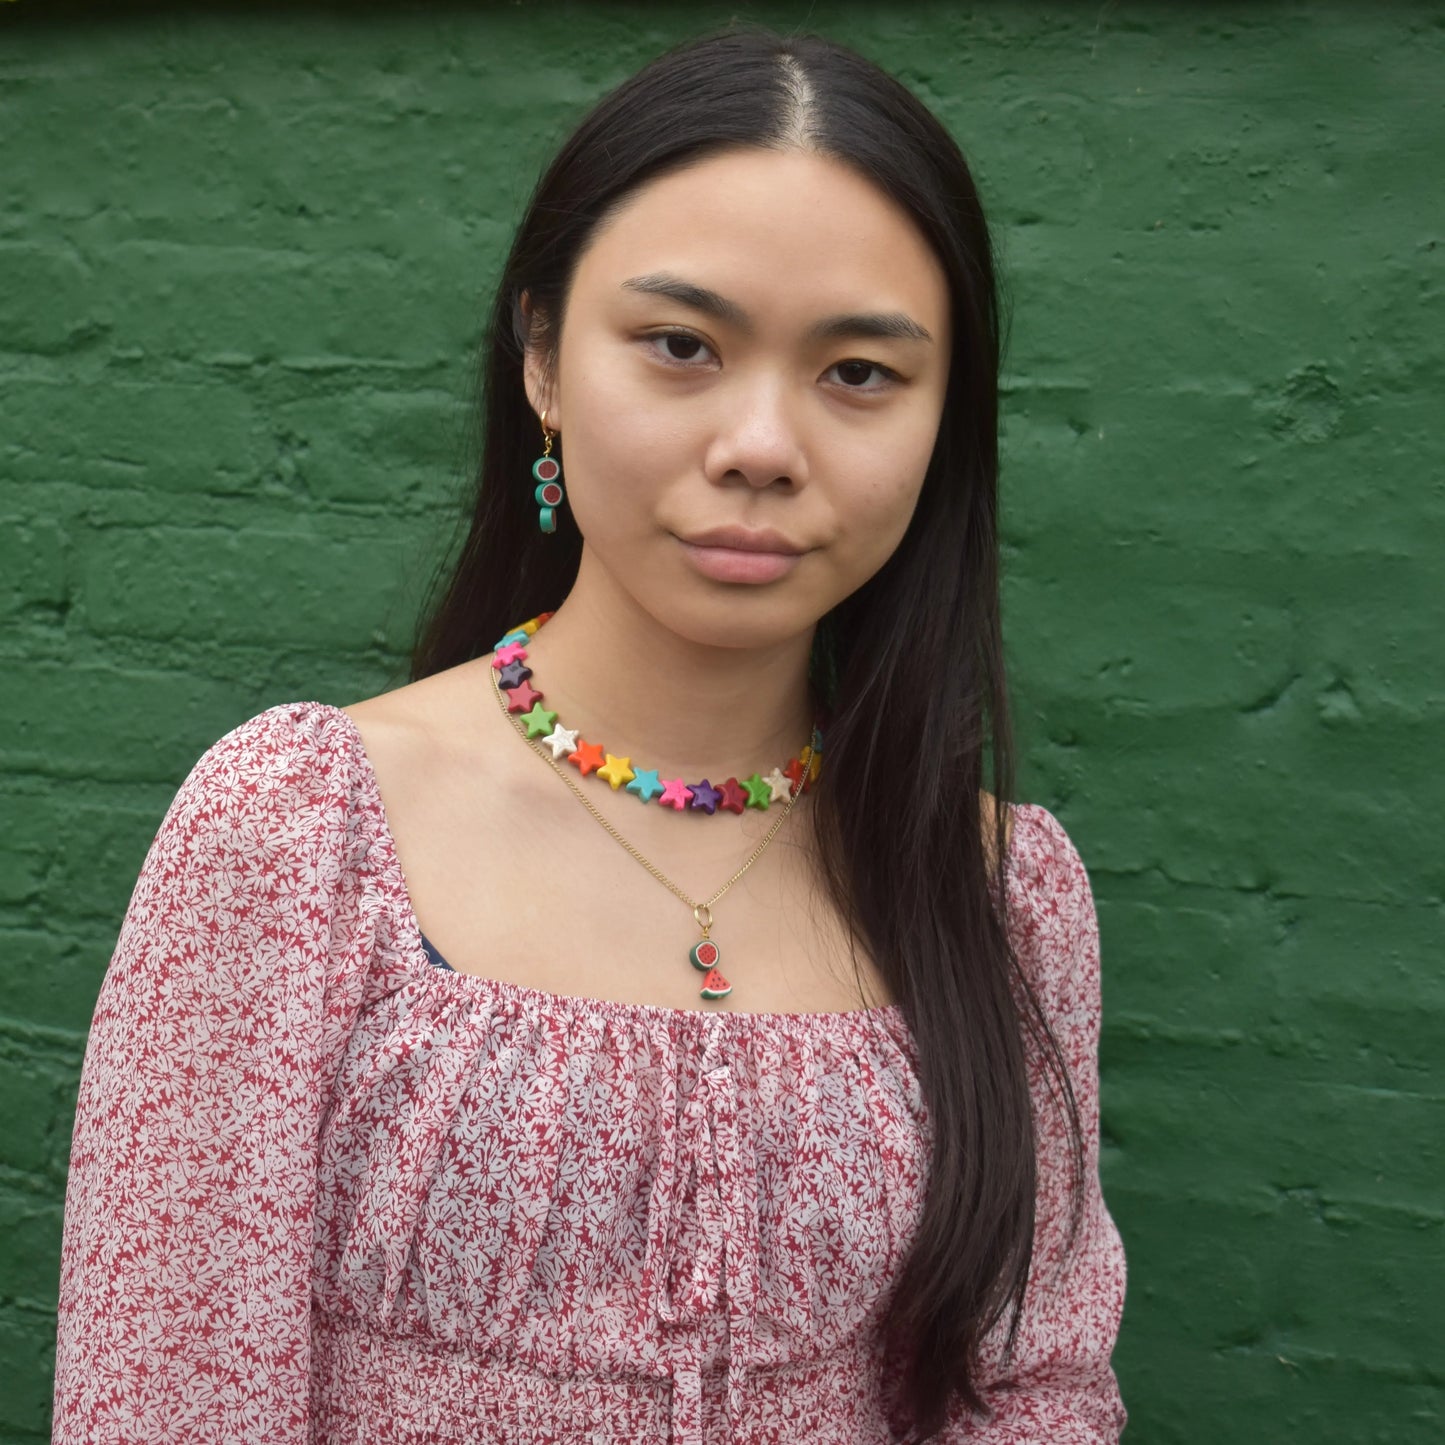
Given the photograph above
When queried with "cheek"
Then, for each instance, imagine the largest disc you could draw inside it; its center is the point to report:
(614, 434)
(881, 499)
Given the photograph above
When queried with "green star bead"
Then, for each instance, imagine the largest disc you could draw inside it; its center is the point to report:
(539, 720)
(760, 795)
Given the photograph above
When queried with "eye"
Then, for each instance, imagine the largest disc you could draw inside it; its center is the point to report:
(854, 371)
(681, 348)
(673, 342)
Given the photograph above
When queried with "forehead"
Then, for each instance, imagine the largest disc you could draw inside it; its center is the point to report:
(787, 234)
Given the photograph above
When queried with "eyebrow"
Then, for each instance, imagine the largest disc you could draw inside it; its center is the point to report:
(890, 325)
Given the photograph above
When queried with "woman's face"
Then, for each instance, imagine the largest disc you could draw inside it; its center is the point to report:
(759, 342)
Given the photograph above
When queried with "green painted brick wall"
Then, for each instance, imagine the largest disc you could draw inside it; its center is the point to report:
(244, 256)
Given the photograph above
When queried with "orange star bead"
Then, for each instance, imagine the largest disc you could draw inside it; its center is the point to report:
(588, 756)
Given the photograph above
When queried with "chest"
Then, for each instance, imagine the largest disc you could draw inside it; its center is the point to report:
(524, 884)
(577, 1190)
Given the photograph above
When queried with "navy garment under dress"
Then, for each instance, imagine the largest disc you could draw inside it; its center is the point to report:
(434, 956)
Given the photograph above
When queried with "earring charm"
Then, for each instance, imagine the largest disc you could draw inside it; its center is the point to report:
(548, 472)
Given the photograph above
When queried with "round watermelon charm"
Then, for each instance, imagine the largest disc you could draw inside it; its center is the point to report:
(546, 469)
(715, 985)
(705, 955)
(548, 494)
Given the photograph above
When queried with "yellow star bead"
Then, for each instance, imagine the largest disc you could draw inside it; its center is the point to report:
(617, 771)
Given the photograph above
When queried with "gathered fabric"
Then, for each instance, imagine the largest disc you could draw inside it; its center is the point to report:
(322, 1189)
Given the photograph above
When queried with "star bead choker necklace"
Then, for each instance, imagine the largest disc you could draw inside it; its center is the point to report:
(540, 722)
(522, 703)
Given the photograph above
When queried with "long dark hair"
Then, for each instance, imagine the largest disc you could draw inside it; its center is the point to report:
(911, 870)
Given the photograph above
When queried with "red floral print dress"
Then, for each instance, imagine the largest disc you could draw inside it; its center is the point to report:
(323, 1190)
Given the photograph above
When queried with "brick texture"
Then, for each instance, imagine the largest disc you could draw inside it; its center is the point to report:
(244, 256)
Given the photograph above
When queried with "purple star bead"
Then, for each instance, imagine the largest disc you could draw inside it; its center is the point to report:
(705, 796)
(513, 673)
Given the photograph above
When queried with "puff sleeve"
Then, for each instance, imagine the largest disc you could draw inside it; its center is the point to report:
(187, 1245)
(1058, 1386)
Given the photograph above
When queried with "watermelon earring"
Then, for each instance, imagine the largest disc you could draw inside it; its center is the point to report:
(547, 470)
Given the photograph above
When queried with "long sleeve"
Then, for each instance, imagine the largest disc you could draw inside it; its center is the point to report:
(1058, 1386)
(187, 1247)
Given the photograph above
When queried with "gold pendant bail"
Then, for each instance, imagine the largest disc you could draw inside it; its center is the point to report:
(698, 909)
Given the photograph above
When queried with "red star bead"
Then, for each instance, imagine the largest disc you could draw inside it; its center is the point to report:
(733, 797)
(522, 697)
(588, 756)
(793, 772)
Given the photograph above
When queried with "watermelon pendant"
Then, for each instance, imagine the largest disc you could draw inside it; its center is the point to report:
(715, 985)
(705, 955)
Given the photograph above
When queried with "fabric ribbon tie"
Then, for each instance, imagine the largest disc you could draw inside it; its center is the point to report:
(707, 1136)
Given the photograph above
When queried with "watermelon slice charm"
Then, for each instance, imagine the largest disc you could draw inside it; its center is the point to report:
(715, 985)
(705, 955)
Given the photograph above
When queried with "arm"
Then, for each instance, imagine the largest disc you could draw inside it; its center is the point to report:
(186, 1257)
(1058, 1387)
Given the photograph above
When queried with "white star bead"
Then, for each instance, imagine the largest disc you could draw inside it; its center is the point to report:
(782, 787)
(561, 740)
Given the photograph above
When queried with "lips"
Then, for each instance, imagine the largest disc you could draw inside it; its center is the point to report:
(742, 554)
(742, 539)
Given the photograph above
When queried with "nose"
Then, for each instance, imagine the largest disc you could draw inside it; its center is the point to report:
(757, 439)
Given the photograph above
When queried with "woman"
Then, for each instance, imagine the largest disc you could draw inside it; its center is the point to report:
(414, 1108)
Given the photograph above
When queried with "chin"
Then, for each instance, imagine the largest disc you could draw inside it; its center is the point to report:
(713, 614)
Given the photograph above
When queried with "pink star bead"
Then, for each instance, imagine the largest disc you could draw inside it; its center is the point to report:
(512, 652)
(676, 793)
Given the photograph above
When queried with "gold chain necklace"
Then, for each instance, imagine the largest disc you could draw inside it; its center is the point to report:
(704, 954)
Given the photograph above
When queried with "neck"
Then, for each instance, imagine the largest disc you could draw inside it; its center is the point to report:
(686, 708)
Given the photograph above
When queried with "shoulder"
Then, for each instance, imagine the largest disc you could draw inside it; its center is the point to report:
(263, 887)
(1042, 855)
(295, 747)
(290, 775)
(429, 729)
(270, 832)
(1052, 920)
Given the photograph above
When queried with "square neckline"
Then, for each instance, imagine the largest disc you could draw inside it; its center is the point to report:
(419, 964)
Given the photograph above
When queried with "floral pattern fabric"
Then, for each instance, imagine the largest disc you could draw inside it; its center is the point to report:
(322, 1190)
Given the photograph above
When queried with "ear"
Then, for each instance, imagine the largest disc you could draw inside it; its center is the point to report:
(541, 389)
